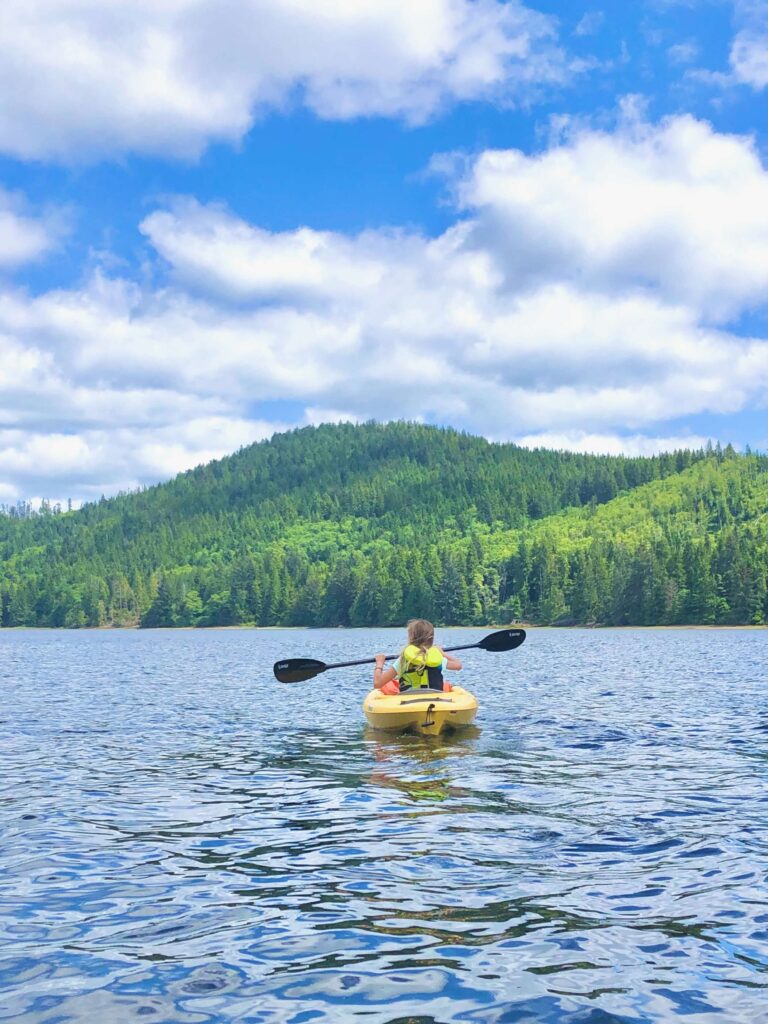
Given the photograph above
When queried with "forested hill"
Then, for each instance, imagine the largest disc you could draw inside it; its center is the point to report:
(372, 524)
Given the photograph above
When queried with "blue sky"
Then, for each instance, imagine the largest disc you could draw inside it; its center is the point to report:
(542, 222)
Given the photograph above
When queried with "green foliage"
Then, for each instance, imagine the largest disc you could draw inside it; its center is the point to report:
(370, 525)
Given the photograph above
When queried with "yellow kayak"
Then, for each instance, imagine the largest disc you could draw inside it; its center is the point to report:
(427, 712)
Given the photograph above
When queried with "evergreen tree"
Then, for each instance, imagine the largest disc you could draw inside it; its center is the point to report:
(374, 524)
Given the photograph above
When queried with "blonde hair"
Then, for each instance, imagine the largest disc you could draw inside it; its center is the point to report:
(421, 634)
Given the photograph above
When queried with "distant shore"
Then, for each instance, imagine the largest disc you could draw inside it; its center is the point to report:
(351, 629)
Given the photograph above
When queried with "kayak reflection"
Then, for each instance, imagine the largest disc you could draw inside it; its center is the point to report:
(398, 756)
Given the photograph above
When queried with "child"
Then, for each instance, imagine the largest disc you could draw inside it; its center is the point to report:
(420, 665)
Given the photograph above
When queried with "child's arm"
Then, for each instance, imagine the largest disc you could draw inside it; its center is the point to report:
(381, 675)
(452, 663)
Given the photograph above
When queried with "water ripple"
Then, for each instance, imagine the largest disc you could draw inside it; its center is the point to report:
(186, 841)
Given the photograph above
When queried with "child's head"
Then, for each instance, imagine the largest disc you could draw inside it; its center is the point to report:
(421, 633)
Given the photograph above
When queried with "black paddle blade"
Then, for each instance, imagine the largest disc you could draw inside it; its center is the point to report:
(503, 640)
(297, 670)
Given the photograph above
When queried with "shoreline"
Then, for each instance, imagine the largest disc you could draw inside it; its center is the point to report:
(528, 626)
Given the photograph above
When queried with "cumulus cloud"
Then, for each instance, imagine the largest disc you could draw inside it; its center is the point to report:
(25, 236)
(749, 50)
(677, 209)
(590, 23)
(315, 417)
(748, 54)
(86, 465)
(581, 298)
(82, 78)
(683, 53)
(209, 249)
(611, 444)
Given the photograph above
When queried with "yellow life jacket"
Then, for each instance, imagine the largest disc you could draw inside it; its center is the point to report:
(417, 670)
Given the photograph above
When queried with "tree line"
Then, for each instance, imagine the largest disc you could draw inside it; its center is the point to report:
(370, 525)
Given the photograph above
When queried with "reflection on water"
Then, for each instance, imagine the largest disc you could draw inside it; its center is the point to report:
(423, 781)
(186, 840)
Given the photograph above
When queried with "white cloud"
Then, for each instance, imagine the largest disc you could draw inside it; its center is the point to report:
(213, 251)
(84, 78)
(590, 23)
(683, 53)
(749, 50)
(563, 304)
(24, 236)
(8, 494)
(676, 209)
(118, 458)
(748, 54)
(611, 444)
(314, 417)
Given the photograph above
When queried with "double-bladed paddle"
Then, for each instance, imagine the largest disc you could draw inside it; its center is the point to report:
(298, 670)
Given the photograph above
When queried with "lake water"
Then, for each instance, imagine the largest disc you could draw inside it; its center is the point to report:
(185, 839)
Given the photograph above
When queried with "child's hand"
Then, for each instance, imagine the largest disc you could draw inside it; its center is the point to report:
(380, 659)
